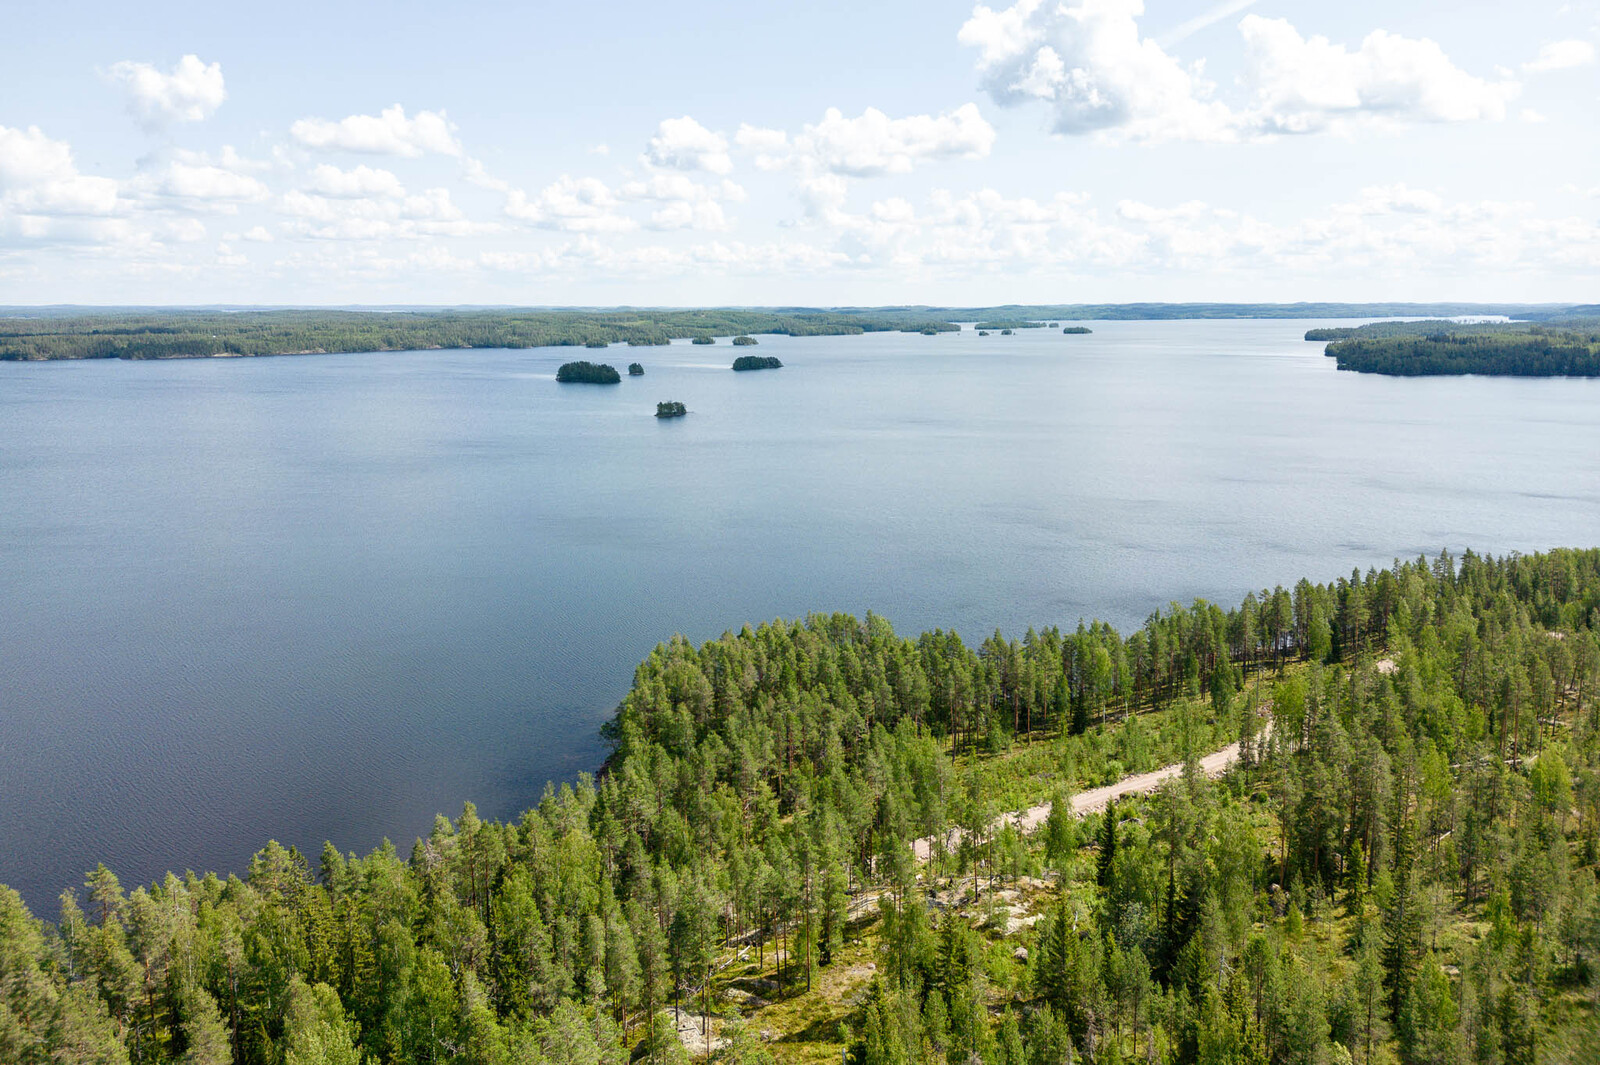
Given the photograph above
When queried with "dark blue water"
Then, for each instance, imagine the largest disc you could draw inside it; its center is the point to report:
(327, 597)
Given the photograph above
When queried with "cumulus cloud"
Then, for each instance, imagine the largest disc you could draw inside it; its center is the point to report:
(684, 144)
(228, 158)
(579, 205)
(1089, 62)
(190, 92)
(685, 203)
(388, 133)
(382, 215)
(1561, 55)
(203, 184)
(38, 177)
(359, 181)
(872, 143)
(1306, 84)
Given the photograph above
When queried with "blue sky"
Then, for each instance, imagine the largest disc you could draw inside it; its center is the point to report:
(824, 153)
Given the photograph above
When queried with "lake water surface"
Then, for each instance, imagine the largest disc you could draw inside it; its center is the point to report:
(327, 597)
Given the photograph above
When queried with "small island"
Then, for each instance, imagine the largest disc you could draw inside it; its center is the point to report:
(983, 332)
(1005, 332)
(703, 340)
(756, 362)
(635, 370)
(588, 373)
(671, 409)
(743, 341)
(1076, 330)
(597, 344)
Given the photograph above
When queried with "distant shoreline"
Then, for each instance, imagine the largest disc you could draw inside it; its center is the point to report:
(43, 334)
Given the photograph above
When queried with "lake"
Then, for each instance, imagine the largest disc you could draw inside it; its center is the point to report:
(327, 597)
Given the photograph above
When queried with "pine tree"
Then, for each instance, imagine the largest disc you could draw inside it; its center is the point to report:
(1106, 861)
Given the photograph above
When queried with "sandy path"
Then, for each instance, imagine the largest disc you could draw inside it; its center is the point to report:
(1095, 799)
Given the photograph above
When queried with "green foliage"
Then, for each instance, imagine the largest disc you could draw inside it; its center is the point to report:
(671, 409)
(635, 370)
(169, 334)
(756, 362)
(744, 341)
(1518, 349)
(588, 373)
(1422, 818)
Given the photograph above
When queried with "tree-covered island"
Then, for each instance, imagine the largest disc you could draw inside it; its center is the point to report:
(671, 409)
(744, 341)
(1075, 330)
(588, 373)
(756, 362)
(1378, 842)
(635, 370)
(703, 340)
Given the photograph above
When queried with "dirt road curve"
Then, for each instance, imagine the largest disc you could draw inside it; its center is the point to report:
(1095, 799)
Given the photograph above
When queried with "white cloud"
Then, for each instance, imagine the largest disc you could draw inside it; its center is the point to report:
(258, 234)
(203, 184)
(1089, 62)
(706, 215)
(38, 177)
(1304, 85)
(580, 205)
(684, 144)
(381, 216)
(1561, 55)
(387, 133)
(191, 91)
(360, 181)
(476, 174)
(873, 143)
(687, 204)
(228, 158)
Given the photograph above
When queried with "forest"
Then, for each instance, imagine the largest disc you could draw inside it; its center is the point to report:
(1562, 348)
(176, 334)
(757, 362)
(588, 373)
(1400, 868)
(41, 333)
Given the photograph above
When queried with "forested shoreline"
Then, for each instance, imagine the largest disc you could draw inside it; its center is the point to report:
(1404, 869)
(1563, 348)
(50, 333)
(207, 334)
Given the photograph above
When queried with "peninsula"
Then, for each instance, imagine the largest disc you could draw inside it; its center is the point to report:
(1561, 348)
(818, 840)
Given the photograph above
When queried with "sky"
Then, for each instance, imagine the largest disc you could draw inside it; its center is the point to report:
(813, 154)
